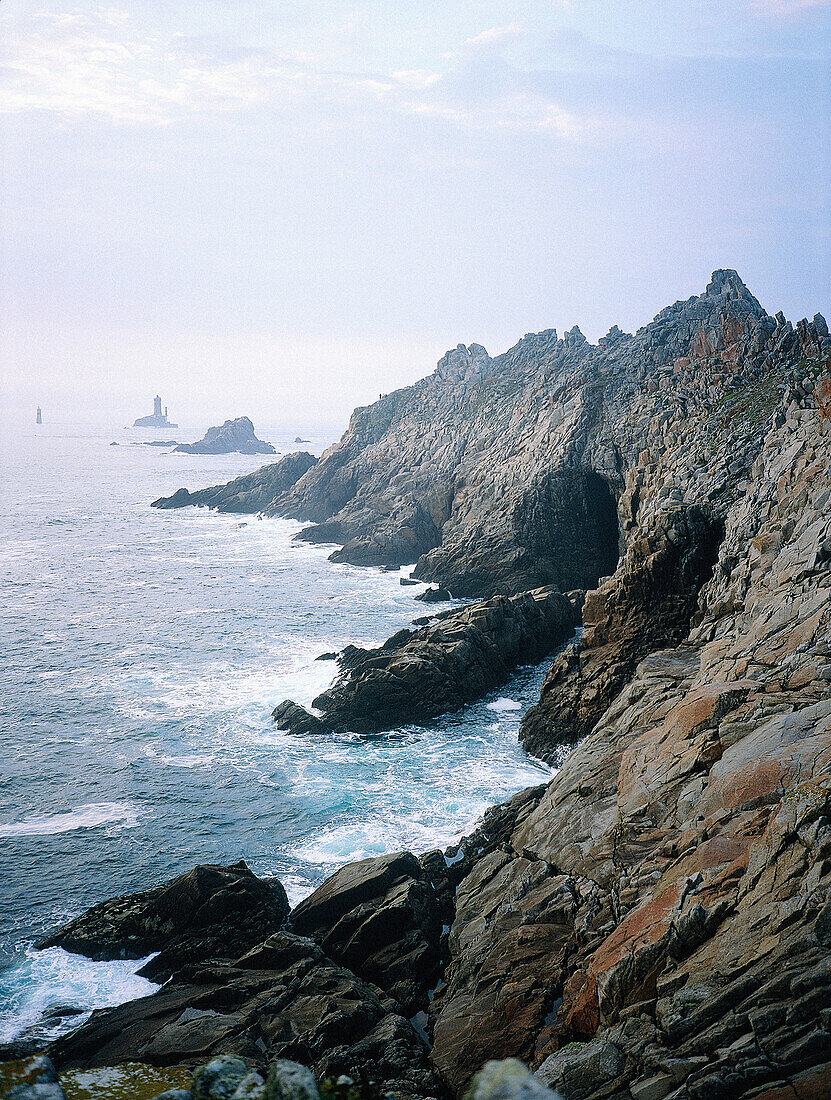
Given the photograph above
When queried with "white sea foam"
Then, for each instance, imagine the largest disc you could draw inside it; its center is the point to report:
(501, 705)
(88, 816)
(45, 979)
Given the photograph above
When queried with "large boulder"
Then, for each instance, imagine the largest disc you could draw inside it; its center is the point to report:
(211, 912)
(248, 494)
(380, 918)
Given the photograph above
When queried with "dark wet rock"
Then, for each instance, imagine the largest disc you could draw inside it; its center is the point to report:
(209, 912)
(232, 436)
(459, 657)
(250, 493)
(291, 718)
(330, 656)
(380, 918)
(434, 595)
(407, 581)
(284, 999)
(175, 1094)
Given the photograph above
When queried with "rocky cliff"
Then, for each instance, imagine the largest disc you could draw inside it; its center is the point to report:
(656, 921)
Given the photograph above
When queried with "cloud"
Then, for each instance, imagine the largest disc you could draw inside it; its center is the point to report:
(99, 64)
(781, 9)
(79, 63)
(494, 35)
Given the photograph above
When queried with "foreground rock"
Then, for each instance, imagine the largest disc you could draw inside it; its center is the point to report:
(248, 494)
(211, 912)
(381, 918)
(234, 435)
(417, 675)
(284, 999)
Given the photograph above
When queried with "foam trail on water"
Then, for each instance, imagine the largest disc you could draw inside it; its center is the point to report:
(88, 816)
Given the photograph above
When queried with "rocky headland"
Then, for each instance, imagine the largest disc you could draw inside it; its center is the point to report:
(232, 436)
(419, 674)
(655, 922)
(248, 494)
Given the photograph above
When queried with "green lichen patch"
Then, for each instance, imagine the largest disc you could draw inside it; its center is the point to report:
(130, 1081)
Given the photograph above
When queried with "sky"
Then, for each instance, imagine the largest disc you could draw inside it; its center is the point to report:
(281, 208)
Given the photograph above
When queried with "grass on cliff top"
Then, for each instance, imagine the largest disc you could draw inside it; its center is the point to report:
(752, 405)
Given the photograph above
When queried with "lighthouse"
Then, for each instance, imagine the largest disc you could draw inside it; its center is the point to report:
(39, 419)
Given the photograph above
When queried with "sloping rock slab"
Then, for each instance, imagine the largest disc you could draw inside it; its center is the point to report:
(380, 917)
(248, 494)
(209, 912)
(284, 999)
(416, 676)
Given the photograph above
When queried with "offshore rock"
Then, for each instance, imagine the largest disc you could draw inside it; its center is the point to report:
(458, 657)
(248, 494)
(211, 912)
(379, 917)
(233, 435)
(284, 999)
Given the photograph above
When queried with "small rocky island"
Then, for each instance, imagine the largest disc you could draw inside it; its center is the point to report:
(234, 436)
(158, 418)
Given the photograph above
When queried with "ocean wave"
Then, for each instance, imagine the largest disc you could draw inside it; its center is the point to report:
(88, 816)
(46, 980)
(502, 705)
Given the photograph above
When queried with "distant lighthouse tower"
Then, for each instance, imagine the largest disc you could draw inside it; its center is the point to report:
(157, 405)
(39, 417)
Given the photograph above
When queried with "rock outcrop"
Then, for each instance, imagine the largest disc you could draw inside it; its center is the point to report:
(381, 918)
(211, 912)
(417, 675)
(248, 494)
(283, 999)
(232, 436)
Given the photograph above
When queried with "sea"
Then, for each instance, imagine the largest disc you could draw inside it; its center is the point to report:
(143, 652)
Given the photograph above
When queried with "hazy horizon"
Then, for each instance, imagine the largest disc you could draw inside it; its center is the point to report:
(283, 212)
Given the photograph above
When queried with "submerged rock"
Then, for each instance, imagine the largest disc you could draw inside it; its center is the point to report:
(232, 436)
(247, 494)
(458, 657)
(209, 912)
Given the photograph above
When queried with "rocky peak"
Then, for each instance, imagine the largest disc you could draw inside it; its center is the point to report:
(464, 364)
(612, 337)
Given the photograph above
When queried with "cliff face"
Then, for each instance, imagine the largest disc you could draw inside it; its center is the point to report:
(535, 467)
